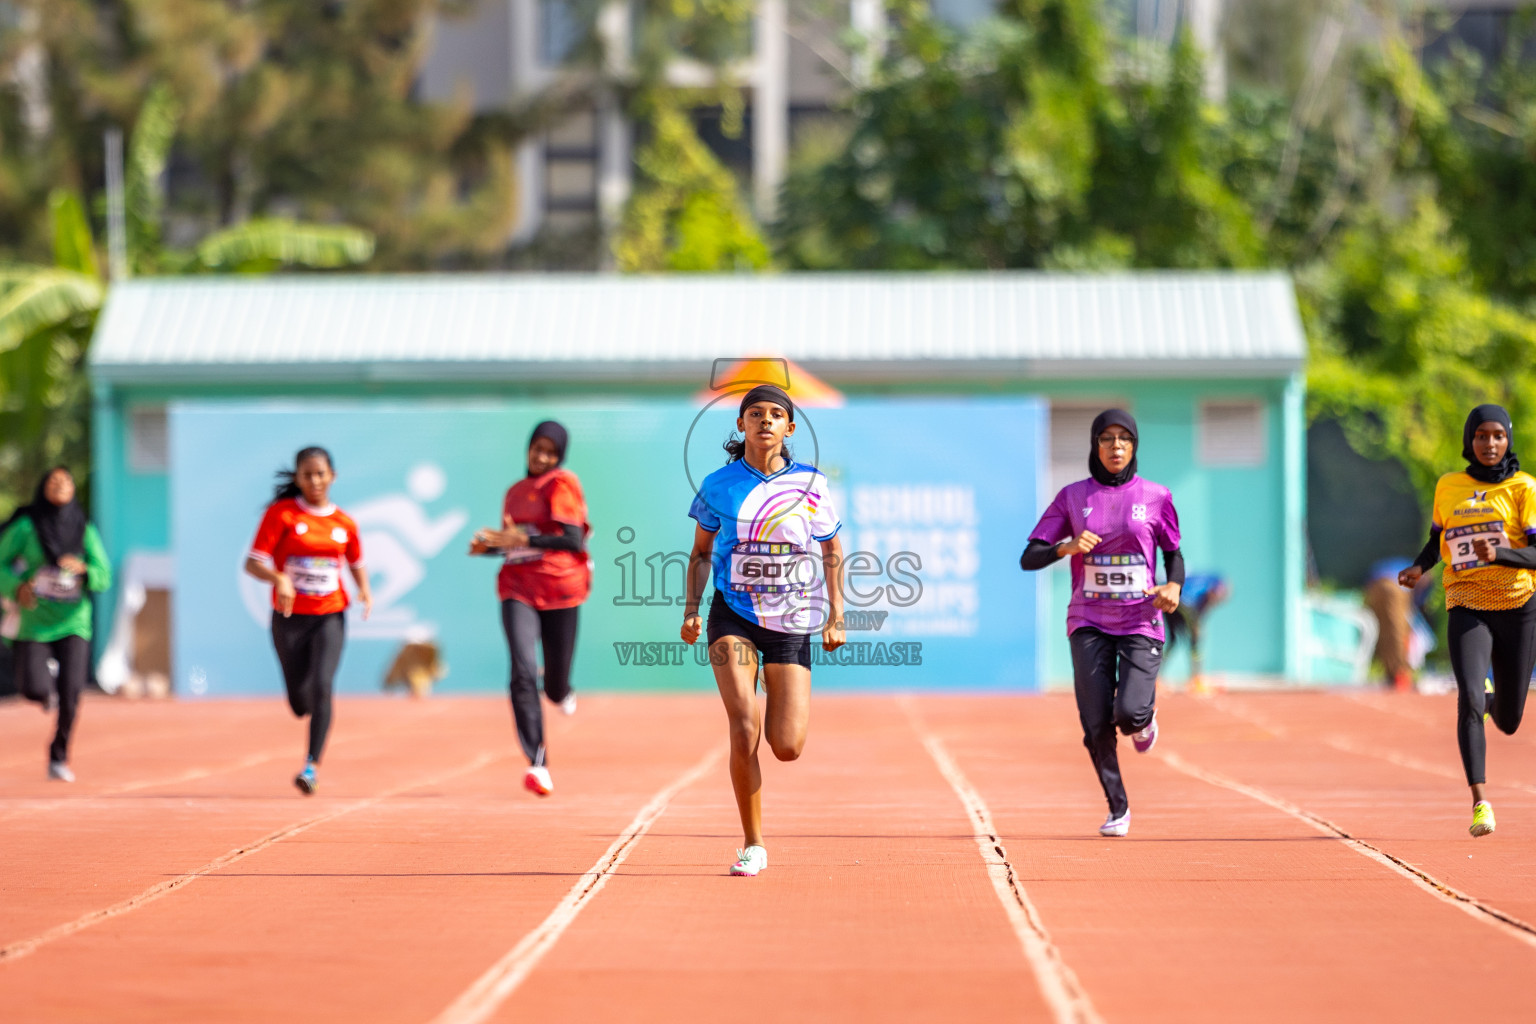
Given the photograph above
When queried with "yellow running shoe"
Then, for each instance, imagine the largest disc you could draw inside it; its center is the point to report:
(1487, 699)
(1482, 819)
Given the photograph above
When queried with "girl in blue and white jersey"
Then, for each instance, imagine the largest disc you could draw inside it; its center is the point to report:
(757, 519)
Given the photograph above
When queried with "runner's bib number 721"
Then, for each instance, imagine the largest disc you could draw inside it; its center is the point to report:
(1459, 539)
(314, 575)
(1115, 577)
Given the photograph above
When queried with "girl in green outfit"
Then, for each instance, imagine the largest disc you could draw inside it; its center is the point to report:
(50, 557)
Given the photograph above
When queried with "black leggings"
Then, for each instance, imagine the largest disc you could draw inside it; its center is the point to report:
(1115, 679)
(309, 649)
(1504, 642)
(525, 627)
(73, 653)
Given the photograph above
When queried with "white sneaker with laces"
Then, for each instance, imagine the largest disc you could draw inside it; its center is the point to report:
(60, 771)
(750, 861)
(537, 780)
(1143, 739)
(568, 706)
(1114, 826)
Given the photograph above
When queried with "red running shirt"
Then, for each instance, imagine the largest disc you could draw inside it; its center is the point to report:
(310, 545)
(539, 577)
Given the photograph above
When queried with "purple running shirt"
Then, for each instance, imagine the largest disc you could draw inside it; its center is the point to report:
(1134, 520)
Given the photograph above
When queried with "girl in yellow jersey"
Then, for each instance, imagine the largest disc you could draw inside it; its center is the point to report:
(1484, 522)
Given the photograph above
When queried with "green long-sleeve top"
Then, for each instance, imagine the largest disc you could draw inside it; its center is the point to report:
(65, 614)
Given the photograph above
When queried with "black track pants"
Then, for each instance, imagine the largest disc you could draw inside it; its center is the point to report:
(309, 649)
(73, 653)
(526, 627)
(1115, 679)
(1479, 641)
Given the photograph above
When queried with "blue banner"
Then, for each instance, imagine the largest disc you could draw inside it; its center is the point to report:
(936, 498)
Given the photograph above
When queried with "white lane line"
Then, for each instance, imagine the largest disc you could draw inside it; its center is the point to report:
(1348, 746)
(1059, 986)
(17, 950)
(347, 741)
(492, 988)
(1497, 919)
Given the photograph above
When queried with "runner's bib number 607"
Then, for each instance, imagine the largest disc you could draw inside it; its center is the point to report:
(1460, 541)
(1115, 577)
(764, 568)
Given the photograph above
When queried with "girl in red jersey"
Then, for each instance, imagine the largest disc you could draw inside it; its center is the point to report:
(300, 548)
(545, 577)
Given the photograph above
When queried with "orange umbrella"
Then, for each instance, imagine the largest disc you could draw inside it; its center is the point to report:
(804, 389)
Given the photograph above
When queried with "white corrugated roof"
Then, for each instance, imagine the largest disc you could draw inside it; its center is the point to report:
(869, 326)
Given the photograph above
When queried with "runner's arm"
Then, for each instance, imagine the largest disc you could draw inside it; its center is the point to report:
(98, 570)
(1040, 554)
(1173, 566)
(569, 539)
(1516, 558)
(1431, 553)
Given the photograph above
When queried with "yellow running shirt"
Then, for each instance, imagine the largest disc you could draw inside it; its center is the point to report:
(1504, 513)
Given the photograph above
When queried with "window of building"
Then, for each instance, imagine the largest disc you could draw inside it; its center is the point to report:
(963, 14)
(560, 31)
(1231, 433)
(570, 173)
(148, 450)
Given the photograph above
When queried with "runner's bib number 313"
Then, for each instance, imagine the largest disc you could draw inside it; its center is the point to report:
(314, 576)
(1115, 577)
(760, 567)
(1460, 540)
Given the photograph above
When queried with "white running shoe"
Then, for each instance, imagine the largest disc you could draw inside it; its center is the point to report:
(537, 780)
(1144, 739)
(750, 861)
(59, 771)
(1114, 826)
(568, 706)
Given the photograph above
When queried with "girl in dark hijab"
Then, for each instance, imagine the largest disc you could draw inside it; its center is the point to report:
(1482, 525)
(51, 559)
(545, 576)
(1112, 526)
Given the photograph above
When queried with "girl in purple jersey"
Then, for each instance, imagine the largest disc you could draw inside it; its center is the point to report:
(1111, 526)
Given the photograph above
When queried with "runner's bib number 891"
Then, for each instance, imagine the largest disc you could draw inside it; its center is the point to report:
(1115, 577)
(1460, 541)
(313, 575)
(760, 567)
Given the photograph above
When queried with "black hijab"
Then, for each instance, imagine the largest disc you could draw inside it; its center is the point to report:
(556, 435)
(1112, 418)
(60, 528)
(1506, 467)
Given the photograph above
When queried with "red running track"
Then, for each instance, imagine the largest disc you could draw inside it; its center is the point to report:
(1293, 856)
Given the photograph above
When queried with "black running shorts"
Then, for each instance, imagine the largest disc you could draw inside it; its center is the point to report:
(773, 647)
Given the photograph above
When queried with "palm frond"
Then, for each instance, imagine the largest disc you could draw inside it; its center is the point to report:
(262, 244)
(40, 298)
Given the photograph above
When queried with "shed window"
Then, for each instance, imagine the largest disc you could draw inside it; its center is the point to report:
(1070, 423)
(147, 451)
(1231, 433)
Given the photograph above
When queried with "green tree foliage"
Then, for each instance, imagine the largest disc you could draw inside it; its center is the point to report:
(297, 109)
(47, 313)
(687, 214)
(1037, 140)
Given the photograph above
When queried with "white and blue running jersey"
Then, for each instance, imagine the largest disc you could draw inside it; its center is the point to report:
(767, 563)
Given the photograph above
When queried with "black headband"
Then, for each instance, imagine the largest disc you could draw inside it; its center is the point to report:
(768, 393)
